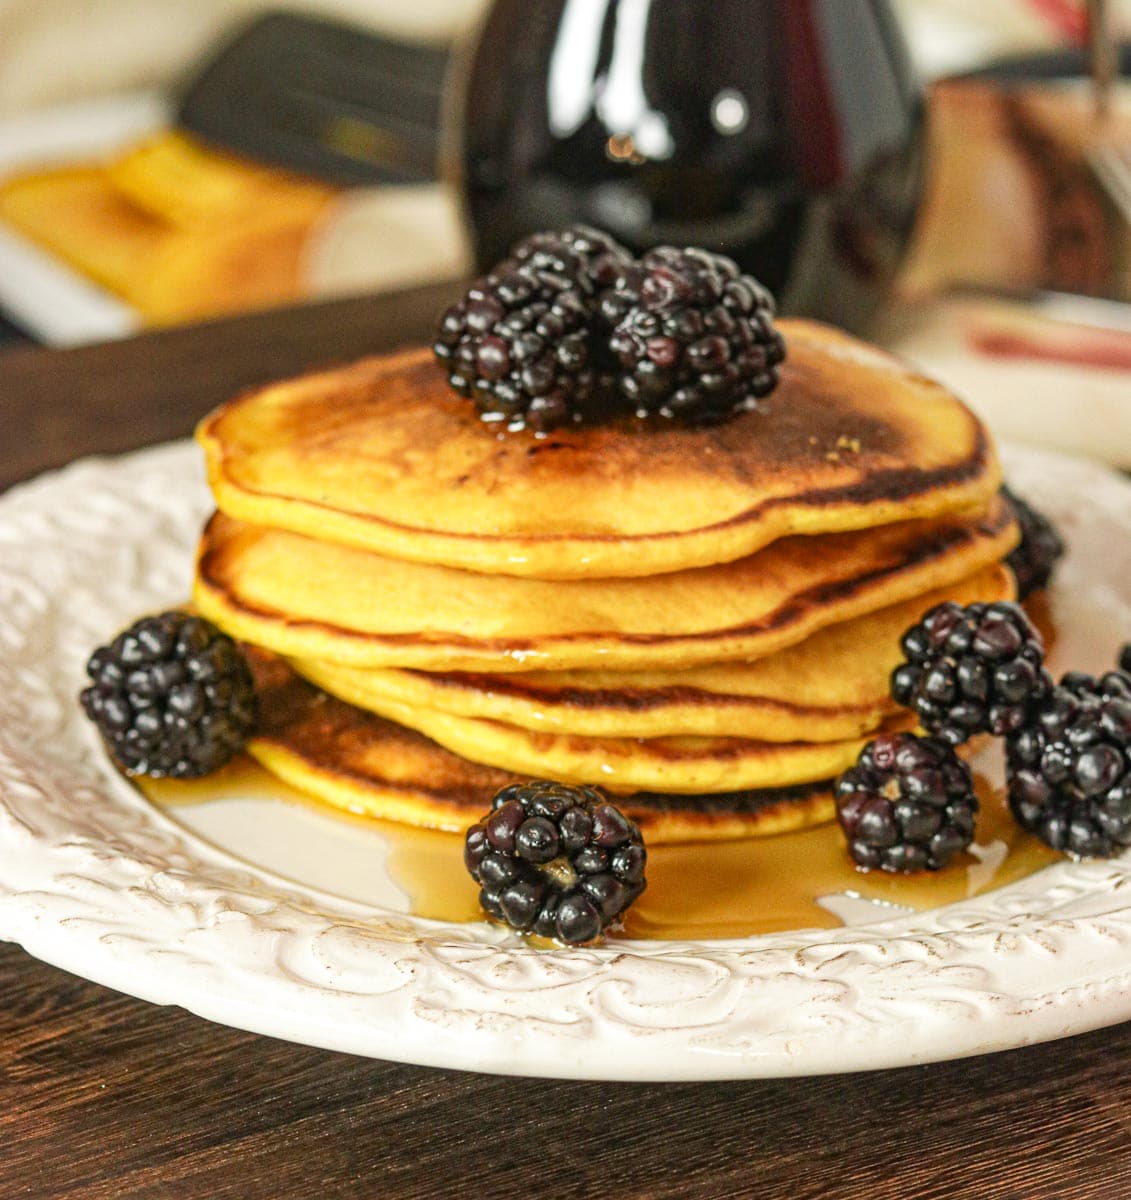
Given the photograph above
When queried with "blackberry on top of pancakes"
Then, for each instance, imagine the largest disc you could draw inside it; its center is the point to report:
(384, 456)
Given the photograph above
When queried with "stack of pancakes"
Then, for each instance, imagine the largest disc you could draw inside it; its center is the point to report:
(701, 620)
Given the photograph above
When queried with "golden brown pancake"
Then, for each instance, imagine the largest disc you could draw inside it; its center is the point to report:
(359, 762)
(672, 764)
(383, 455)
(313, 599)
(829, 687)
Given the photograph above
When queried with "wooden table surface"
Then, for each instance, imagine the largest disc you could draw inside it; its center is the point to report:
(103, 1096)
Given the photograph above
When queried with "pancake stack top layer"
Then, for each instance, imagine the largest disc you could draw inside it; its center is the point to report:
(653, 607)
(384, 456)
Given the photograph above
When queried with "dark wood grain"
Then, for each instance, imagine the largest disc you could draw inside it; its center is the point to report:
(103, 1097)
(56, 405)
(107, 1098)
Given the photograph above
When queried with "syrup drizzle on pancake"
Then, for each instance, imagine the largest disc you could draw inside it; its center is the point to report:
(382, 455)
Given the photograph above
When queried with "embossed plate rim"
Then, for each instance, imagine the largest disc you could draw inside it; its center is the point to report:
(96, 881)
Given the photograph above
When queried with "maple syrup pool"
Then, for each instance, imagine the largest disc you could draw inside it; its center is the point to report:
(723, 889)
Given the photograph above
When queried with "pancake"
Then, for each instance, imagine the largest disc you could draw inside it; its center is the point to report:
(831, 686)
(383, 455)
(359, 762)
(313, 599)
(673, 764)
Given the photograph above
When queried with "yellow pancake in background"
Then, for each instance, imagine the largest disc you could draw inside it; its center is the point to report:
(359, 762)
(383, 455)
(76, 214)
(176, 229)
(187, 184)
(831, 686)
(318, 600)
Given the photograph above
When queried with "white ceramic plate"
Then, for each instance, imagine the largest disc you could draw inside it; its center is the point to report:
(253, 935)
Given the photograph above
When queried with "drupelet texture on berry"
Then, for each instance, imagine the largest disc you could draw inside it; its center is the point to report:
(972, 669)
(171, 696)
(907, 805)
(520, 342)
(693, 338)
(556, 860)
(1069, 766)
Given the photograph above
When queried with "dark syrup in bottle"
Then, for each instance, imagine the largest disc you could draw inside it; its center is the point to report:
(785, 133)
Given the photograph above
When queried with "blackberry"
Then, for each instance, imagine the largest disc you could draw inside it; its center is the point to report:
(520, 341)
(1068, 768)
(616, 301)
(171, 696)
(972, 669)
(581, 253)
(694, 339)
(1110, 685)
(1125, 659)
(1036, 555)
(556, 860)
(907, 805)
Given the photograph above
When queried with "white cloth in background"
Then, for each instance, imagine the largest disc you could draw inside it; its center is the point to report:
(952, 36)
(56, 51)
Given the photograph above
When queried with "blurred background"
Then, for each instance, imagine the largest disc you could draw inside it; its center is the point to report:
(949, 177)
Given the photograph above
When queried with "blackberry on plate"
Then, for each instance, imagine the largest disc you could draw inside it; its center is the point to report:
(172, 696)
(694, 338)
(520, 341)
(972, 669)
(1068, 768)
(556, 860)
(1125, 658)
(907, 805)
(1035, 556)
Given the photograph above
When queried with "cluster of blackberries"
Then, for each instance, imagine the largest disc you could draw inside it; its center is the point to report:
(909, 802)
(555, 860)
(572, 327)
(172, 696)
